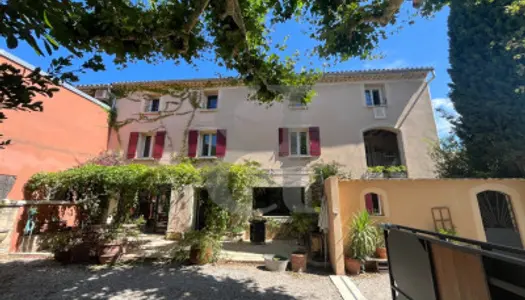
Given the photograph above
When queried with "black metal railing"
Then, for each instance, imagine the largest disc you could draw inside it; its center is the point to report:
(428, 265)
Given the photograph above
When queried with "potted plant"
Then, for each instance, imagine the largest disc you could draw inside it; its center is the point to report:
(110, 247)
(299, 260)
(275, 263)
(204, 246)
(237, 233)
(376, 172)
(380, 246)
(302, 224)
(396, 172)
(362, 242)
(66, 246)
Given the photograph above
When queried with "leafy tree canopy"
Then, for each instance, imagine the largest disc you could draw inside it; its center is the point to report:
(236, 33)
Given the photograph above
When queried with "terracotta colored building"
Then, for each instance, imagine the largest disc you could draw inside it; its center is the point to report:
(72, 128)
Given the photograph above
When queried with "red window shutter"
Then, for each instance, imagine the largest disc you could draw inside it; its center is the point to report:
(132, 145)
(221, 143)
(193, 138)
(369, 204)
(284, 148)
(315, 141)
(158, 148)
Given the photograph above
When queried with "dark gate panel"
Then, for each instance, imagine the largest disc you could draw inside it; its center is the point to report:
(410, 266)
(428, 265)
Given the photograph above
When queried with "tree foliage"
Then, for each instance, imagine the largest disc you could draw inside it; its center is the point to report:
(487, 90)
(236, 33)
(92, 186)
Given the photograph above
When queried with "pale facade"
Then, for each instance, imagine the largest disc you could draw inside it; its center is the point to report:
(390, 111)
(339, 111)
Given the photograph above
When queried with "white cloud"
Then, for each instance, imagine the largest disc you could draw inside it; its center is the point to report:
(443, 125)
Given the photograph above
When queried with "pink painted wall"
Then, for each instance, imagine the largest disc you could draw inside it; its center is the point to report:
(70, 130)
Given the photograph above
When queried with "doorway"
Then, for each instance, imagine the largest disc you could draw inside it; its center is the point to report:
(498, 219)
(154, 208)
(202, 200)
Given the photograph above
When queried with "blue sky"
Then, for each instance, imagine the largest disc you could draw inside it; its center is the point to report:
(425, 43)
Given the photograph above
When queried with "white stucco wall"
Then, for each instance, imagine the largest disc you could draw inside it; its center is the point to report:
(338, 109)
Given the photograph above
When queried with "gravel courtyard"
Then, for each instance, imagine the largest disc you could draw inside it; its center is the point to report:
(46, 279)
(374, 286)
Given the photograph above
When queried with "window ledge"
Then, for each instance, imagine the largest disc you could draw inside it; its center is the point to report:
(151, 113)
(300, 156)
(293, 107)
(374, 106)
(207, 110)
(206, 157)
(143, 158)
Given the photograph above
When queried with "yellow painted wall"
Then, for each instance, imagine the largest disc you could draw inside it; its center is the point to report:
(409, 201)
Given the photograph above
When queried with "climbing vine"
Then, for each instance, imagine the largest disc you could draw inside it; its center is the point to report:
(92, 187)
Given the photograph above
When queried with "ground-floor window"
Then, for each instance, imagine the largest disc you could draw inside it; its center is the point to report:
(373, 204)
(278, 201)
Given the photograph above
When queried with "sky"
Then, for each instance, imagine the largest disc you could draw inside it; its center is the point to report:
(423, 44)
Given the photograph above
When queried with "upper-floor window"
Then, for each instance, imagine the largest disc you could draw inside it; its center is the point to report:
(212, 101)
(299, 142)
(152, 105)
(208, 144)
(297, 104)
(145, 146)
(374, 96)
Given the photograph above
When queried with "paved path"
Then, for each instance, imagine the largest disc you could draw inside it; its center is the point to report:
(46, 279)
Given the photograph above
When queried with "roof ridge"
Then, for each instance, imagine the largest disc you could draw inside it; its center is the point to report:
(230, 78)
(65, 85)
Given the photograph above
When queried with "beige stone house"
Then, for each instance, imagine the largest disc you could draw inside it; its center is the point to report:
(357, 119)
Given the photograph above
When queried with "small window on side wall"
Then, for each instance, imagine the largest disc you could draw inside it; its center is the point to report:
(212, 102)
(374, 96)
(373, 204)
(152, 105)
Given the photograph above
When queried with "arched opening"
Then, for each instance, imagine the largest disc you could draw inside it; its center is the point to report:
(381, 148)
(374, 204)
(498, 219)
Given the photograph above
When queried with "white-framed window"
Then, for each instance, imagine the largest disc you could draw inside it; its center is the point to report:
(208, 144)
(373, 204)
(296, 104)
(374, 96)
(299, 142)
(145, 147)
(212, 101)
(152, 105)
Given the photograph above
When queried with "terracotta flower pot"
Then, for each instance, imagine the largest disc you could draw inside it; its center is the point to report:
(353, 266)
(299, 260)
(109, 253)
(197, 259)
(381, 252)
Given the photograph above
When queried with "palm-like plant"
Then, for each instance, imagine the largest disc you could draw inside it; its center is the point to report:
(363, 236)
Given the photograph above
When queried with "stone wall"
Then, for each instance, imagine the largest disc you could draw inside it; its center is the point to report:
(8, 214)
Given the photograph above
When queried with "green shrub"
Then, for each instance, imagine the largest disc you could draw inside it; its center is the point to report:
(376, 169)
(363, 236)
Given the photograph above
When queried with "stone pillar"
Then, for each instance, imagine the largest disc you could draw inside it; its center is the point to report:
(182, 210)
(335, 231)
